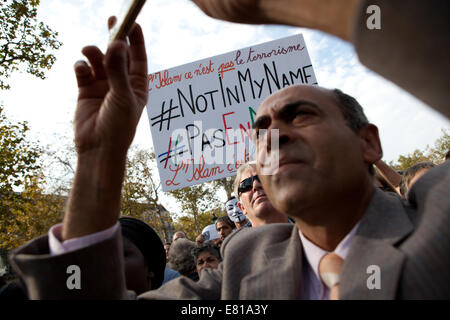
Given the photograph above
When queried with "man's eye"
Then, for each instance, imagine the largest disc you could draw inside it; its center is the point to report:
(301, 116)
(301, 113)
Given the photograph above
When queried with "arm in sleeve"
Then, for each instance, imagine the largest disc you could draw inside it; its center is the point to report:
(100, 269)
(58, 247)
(411, 49)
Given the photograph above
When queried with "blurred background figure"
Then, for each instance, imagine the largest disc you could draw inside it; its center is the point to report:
(12, 290)
(200, 239)
(166, 249)
(207, 256)
(412, 174)
(144, 255)
(178, 235)
(235, 214)
(382, 183)
(209, 233)
(182, 260)
(386, 178)
(169, 274)
(224, 227)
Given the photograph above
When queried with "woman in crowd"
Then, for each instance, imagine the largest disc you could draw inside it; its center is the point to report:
(206, 255)
(181, 258)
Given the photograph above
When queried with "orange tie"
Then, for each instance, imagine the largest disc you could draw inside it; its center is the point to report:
(330, 267)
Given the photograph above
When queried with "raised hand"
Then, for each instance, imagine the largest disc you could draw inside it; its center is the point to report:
(112, 94)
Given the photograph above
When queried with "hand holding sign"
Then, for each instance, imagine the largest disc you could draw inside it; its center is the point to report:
(332, 16)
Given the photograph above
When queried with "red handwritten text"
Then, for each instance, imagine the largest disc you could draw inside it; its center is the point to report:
(225, 67)
(165, 79)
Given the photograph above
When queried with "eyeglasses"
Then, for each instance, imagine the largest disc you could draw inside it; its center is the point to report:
(247, 184)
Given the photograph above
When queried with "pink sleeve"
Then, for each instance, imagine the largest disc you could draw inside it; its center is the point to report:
(58, 247)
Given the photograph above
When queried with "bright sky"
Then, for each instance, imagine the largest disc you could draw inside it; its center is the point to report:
(177, 32)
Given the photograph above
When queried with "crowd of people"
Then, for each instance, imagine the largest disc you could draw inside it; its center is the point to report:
(333, 222)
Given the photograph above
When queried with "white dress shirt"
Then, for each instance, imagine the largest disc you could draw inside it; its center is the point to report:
(57, 246)
(313, 288)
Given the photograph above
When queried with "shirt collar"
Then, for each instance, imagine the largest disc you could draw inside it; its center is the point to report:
(314, 253)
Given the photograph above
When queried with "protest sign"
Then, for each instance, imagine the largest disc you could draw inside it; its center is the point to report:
(201, 113)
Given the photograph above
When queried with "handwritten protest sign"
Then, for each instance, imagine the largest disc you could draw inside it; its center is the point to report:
(201, 113)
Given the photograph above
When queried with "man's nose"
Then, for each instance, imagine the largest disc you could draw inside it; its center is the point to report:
(281, 131)
(256, 185)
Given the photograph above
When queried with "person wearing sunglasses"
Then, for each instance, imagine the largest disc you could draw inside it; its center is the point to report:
(253, 200)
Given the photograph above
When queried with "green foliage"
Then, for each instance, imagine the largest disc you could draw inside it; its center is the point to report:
(226, 184)
(187, 224)
(195, 201)
(441, 146)
(433, 154)
(25, 43)
(25, 211)
(140, 198)
(18, 157)
(28, 215)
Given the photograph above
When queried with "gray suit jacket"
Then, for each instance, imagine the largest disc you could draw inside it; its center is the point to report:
(408, 240)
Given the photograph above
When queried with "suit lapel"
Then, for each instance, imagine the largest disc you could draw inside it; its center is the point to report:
(373, 254)
(280, 277)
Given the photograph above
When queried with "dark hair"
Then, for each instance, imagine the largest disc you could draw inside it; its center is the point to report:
(353, 114)
(227, 220)
(207, 247)
(352, 111)
(409, 174)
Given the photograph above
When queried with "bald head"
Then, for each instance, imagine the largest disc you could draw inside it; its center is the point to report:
(320, 153)
(179, 235)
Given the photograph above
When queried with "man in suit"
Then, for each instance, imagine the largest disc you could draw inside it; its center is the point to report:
(391, 249)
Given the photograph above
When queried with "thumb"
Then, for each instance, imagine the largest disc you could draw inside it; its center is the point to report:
(116, 66)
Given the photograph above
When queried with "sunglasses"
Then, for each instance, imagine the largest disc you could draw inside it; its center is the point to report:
(247, 184)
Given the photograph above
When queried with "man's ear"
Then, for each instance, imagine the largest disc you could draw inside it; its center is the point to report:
(371, 145)
(240, 206)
